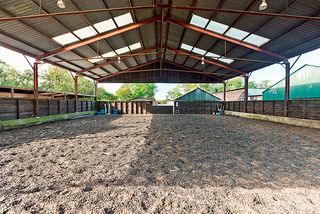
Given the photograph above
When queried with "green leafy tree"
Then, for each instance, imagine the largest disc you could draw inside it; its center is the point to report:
(11, 77)
(235, 83)
(132, 90)
(264, 84)
(174, 93)
(104, 95)
(85, 86)
(57, 79)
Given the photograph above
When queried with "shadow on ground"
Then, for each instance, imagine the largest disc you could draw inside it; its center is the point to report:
(65, 130)
(202, 151)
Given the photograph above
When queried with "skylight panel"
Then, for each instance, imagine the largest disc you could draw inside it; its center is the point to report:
(95, 59)
(135, 46)
(85, 32)
(105, 25)
(226, 60)
(122, 50)
(217, 27)
(198, 21)
(212, 55)
(65, 38)
(256, 40)
(124, 19)
(109, 54)
(199, 51)
(186, 47)
(237, 33)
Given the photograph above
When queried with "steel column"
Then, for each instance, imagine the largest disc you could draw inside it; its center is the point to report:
(287, 89)
(95, 91)
(76, 91)
(224, 91)
(246, 89)
(35, 89)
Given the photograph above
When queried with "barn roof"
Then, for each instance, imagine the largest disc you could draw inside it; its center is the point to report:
(197, 94)
(160, 41)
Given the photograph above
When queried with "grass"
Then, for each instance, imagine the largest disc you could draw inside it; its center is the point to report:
(10, 124)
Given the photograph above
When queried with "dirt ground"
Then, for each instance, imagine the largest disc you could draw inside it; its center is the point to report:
(160, 164)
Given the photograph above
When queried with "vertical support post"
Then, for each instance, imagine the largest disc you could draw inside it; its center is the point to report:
(95, 91)
(75, 87)
(18, 108)
(36, 89)
(287, 89)
(224, 91)
(246, 89)
(12, 91)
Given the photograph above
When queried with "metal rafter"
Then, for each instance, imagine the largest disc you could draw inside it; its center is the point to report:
(219, 36)
(194, 70)
(62, 25)
(35, 29)
(125, 41)
(199, 38)
(233, 23)
(186, 70)
(99, 37)
(296, 26)
(253, 13)
(206, 60)
(114, 60)
(128, 69)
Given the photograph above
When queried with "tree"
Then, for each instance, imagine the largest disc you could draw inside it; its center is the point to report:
(174, 93)
(264, 84)
(104, 95)
(85, 86)
(132, 90)
(252, 84)
(11, 77)
(235, 83)
(57, 79)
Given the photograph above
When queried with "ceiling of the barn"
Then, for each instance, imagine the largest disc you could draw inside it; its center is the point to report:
(187, 37)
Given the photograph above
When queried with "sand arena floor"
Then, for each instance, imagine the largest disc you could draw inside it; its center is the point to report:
(160, 164)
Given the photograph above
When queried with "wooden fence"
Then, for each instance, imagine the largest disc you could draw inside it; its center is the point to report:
(196, 107)
(135, 107)
(305, 109)
(13, 108)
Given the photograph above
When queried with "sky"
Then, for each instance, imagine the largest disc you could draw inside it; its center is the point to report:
(274, 73)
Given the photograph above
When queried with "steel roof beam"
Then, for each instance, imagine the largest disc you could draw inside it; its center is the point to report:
(206, 60)
(194, 70)
(114, 60)
(128, 69)
(187, 70)
(219, 36)
(99, 37)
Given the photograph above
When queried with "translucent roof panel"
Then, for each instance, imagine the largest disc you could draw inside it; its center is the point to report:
(135, 46)
(109, 54)
(65, 38)
(186, 47)
(124, 19)
(226, 60)
(256, 40)
(105, 25)
(198, 21)
(95, 59)
(199, 51)
(85, 32)
(217, 27)
(237, 33)
(122, 50)
(212, 55)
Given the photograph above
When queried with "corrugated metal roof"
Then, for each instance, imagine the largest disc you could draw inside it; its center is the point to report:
(289, 37)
